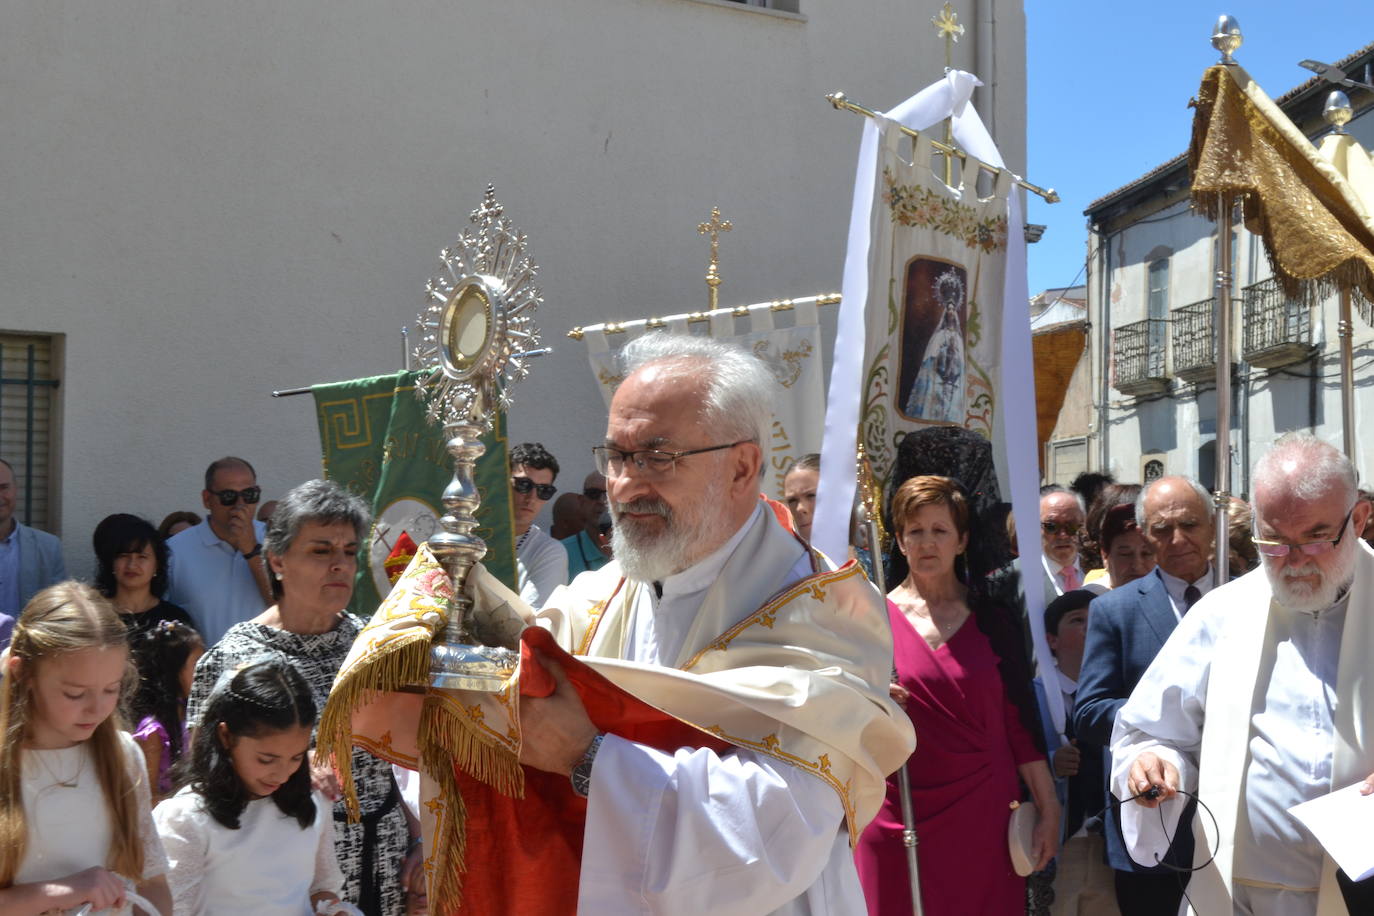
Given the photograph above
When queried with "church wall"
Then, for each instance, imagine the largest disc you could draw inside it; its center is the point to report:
(212, 201)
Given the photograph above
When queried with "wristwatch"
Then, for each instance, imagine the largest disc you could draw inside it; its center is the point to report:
(581, 775)
(257, 549)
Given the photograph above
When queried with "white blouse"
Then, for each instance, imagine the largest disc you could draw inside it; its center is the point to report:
(67, 821)
(270, 866)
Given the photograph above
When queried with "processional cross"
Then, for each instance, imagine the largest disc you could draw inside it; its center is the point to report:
(947, 26)
(714, 228)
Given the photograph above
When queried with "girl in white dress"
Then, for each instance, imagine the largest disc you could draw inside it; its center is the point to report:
(246, 834)
(75, 826)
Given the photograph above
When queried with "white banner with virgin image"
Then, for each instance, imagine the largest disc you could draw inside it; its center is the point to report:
(792, 353)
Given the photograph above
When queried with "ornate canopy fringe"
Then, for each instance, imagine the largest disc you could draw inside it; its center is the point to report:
(1318, 232)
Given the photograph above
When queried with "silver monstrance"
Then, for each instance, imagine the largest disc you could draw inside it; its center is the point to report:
(477, 336)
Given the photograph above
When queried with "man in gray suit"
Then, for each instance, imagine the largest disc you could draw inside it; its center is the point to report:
(30, 559)
(1126, 629)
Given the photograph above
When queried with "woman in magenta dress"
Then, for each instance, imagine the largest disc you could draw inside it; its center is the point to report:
(963, 677)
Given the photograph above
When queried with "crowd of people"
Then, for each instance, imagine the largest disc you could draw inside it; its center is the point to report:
(157, 724)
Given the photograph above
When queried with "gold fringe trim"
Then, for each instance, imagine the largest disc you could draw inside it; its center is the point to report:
(401, 661)
(447, 863)
(464, 746)
(447, 741)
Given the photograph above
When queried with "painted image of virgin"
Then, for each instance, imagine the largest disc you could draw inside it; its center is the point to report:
(933, 342)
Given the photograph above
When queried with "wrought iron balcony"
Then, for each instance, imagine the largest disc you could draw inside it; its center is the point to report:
(1195, 341)
(1138, 355)
(1277, 330)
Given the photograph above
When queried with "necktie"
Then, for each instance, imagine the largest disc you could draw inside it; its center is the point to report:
(1190, 597)
(1070, 576)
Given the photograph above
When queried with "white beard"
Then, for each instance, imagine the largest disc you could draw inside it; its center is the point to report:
(1306, 598)
(686, 537)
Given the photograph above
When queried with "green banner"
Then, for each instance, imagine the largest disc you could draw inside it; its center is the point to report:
(375, 441)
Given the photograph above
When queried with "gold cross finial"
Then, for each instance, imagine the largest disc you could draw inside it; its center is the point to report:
(714, 228)
(947, 25)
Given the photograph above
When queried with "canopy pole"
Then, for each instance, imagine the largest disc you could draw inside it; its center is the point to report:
(1222, 497)
(1346, 331)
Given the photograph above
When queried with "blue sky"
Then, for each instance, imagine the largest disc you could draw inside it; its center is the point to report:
(1109, 84)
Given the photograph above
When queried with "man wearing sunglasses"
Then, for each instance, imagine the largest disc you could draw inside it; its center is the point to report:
(1061, 522)
(541, 563)
(215, 569)
(1261, 700)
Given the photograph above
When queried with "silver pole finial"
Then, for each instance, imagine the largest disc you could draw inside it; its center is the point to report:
(1226, 37)
(1337, 111)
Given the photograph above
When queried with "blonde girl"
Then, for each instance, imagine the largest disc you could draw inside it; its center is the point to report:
(75, 824)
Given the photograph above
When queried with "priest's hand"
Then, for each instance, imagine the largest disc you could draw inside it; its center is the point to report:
(1148, 771)
(555, 730)
(1368, 787)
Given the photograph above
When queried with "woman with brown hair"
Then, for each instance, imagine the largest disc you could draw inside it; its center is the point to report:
(963, 677)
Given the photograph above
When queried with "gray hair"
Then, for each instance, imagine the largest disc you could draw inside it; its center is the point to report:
(324, 502)
(1198, 488)
(737, 403)
(1322, 465)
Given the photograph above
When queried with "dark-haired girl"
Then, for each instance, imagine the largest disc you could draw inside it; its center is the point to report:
(246, 834)
(165, 657)
(131, 570)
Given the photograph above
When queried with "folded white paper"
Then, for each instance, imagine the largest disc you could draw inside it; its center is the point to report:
(1342, 822)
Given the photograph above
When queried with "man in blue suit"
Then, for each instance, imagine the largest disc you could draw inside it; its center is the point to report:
(1126, 629)
(30, 560)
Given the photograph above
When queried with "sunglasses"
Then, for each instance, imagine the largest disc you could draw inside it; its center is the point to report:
(1053, 528)
(228, 497)
(593, 493)
(544, 491)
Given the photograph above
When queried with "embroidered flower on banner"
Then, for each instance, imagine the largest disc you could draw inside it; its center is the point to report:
(926, 208)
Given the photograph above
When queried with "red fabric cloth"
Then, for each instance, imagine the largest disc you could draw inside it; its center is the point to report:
(524, 855)
(969, 741)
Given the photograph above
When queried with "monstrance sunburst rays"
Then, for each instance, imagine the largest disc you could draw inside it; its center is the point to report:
(478, 330)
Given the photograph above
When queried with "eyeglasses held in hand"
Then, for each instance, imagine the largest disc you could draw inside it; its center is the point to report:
(1053, 528)
(544, 491)
(250, 496)
(610, 461)
(1278, 549)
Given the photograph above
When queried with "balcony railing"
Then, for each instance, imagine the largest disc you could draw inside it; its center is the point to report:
(1138, 353)
(1277, 330)
(1195, 341)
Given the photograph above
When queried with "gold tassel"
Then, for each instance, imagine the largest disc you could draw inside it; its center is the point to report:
(402, 661)
(447, 741)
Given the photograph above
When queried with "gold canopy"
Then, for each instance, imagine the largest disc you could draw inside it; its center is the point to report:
(1318, 228)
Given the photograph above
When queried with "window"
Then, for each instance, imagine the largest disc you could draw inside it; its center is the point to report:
(1159, 288)
(28, 435)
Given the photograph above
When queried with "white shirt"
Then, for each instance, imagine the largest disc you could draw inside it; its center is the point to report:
(212, 581)
(66, 819)
(697, 832)
(1176, 587)
(1290, 745)
(541, 565)
(269, 866)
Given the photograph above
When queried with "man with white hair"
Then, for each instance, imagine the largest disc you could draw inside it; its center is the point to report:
(718, 615)
(1261, 699)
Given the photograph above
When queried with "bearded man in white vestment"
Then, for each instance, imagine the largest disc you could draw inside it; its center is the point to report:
(1262, 699)
(742, 831)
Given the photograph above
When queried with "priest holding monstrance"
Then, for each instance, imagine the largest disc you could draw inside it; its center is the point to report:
(703, 725)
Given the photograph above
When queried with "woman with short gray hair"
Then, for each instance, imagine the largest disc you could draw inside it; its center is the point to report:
(312, 549)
